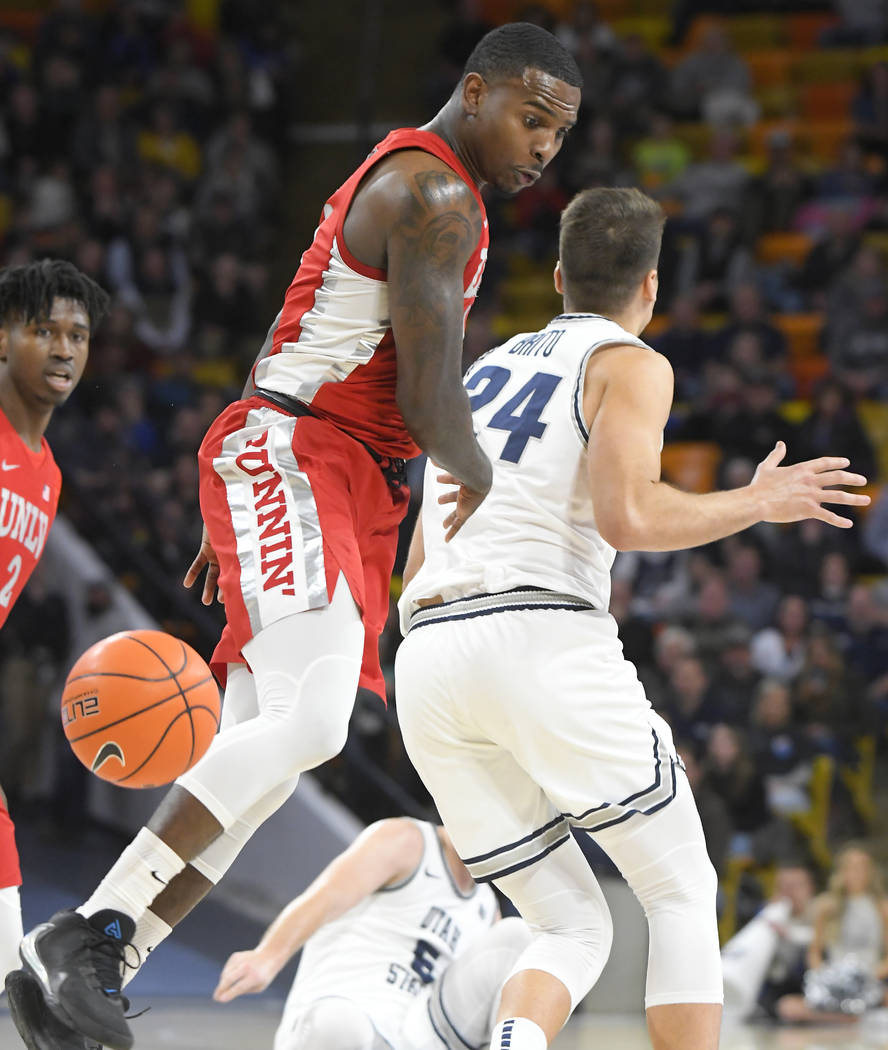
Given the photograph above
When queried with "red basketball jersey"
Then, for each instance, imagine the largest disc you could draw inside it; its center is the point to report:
(30, 483)
(332, 344)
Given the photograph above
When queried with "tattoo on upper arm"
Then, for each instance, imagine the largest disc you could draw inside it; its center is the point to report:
(437, 229)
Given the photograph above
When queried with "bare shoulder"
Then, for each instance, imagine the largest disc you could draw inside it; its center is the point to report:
(624, 368)
(414, 183)
(399, 833)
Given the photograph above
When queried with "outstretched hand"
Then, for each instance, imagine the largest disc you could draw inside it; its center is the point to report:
(800, 491)
(467, 502)
(206, 556)
(245, 973)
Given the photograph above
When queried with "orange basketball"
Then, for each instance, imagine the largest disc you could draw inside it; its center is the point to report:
(139, 708)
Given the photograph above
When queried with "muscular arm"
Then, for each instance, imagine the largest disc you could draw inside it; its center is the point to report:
(384, 853)
(433, 229)
(627, 397)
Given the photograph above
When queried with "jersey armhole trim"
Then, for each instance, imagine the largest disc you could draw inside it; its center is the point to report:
(577, 405)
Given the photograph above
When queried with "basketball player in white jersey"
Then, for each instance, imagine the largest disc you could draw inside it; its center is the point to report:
(515, 701)
(400, 949)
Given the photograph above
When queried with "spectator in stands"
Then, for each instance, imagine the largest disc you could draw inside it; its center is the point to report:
(799, 551)
(686, 344)
(850, 927)
(779, 651)
(638, 78)
(730, 771)
(735, 679)
(862, 23)
(689, 705)
(870, 109)
(863, 635)
(863, 279)
(753, 600)
(860, 356)
(635, 631)
(592, 42)
(828, 697)
(780, 750)
(850, 178)
(875, 529)
(671, 644)
(833, 423)
(659, 156)
(166, 143)
(830, 255)
(713, 82)
(774, 196)
(715, 184)
(715, 261)
(830, 602)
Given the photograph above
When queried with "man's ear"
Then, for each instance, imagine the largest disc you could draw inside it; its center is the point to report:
(558, 278)
(474, 88)
(3, 338)
(651, 286)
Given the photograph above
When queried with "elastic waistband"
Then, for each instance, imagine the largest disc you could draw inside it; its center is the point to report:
(519, 599)
(394, 470)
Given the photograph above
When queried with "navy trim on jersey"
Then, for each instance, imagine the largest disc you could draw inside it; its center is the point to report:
(438, 996)
(520, 599)
(513, 845)
(579, 419)
(520, 865)
(631, 798)
(634, 812)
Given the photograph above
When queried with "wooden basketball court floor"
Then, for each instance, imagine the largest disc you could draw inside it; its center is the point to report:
(196, 1024)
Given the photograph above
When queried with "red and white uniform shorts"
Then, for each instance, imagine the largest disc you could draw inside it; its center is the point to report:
(290, 502)
(10, 872)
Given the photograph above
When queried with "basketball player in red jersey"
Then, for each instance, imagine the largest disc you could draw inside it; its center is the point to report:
(47, 311)
(301, 487)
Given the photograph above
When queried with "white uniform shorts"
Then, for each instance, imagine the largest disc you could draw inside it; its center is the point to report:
(523, 719)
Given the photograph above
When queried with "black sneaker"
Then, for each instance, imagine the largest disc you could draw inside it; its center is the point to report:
(78, 964)
(35, 1022)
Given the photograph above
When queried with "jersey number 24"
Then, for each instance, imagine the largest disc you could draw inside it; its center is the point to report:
(520, 415)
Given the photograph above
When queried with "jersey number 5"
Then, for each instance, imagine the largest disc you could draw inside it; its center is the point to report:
(520, 415)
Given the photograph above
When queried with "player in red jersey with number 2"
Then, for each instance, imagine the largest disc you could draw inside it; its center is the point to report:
(47, 311)
(301, 489)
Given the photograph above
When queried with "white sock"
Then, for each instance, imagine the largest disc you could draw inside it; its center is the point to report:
(140, 873)
(150, 931)
(518, 1033)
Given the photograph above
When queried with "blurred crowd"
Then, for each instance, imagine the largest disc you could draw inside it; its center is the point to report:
(151, 152)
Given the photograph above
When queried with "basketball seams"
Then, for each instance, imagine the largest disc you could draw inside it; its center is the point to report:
(175, 676)
(201, 707)
(142, 710)
(159, 658)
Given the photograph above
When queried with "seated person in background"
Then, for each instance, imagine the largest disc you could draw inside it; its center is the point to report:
(765, 961)
(402, 951)
(848, 955)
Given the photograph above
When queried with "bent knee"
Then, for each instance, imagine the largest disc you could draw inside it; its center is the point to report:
(688, 882)
(330, 1024)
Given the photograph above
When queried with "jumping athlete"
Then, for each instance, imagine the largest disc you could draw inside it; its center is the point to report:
(301, 489)
(401, 950)
(48, 310)
(511, 682)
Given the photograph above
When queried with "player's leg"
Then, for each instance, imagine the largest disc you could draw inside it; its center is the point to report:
(10, 904)
(460, 1009)
(663, 858)
(306, 670)
(523, 843)
(333, 1023)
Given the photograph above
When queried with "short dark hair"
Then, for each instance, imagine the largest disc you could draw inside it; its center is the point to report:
(609, 238)
(506, 52)
(27, 291)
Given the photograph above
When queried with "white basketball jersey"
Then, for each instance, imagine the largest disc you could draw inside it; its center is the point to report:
(536, 528)
(382, 953)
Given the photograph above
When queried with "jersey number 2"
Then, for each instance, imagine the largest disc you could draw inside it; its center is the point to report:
(520, 415)
(14, 568)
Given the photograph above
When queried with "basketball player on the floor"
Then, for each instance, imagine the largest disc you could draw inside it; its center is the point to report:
(402, 949)
(47, 311)
(301, 488)
(517, 706)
